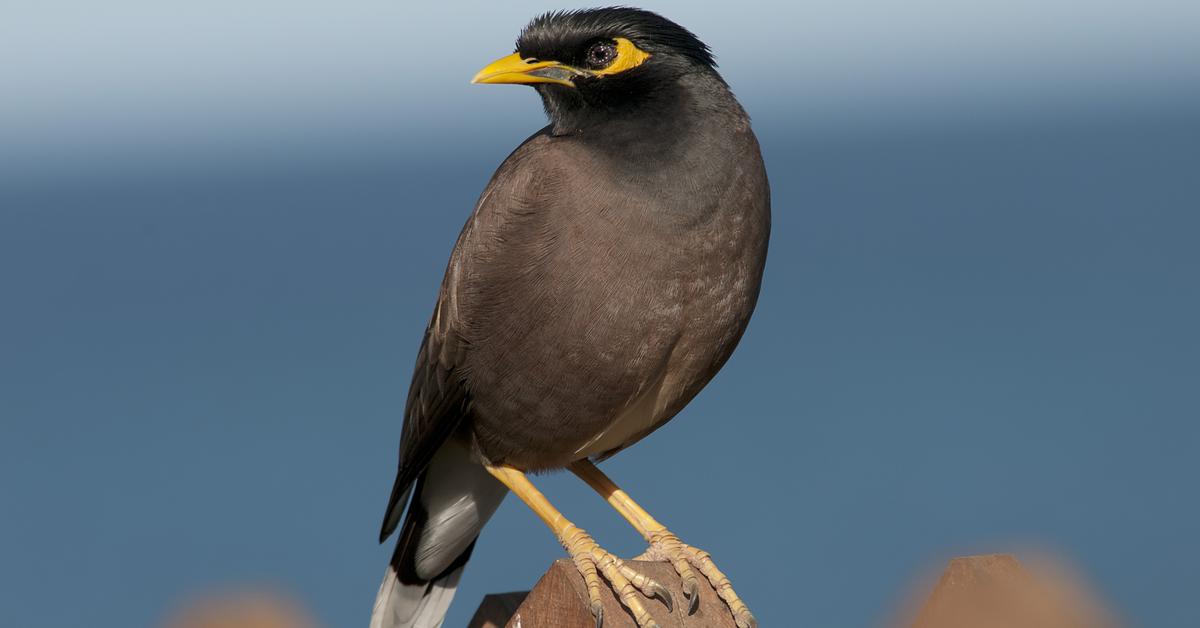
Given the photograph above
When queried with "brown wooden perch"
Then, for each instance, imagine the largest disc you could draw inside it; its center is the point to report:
(559, 600)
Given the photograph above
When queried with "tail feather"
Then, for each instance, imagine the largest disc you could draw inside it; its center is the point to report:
(452, 500)
(417, 604)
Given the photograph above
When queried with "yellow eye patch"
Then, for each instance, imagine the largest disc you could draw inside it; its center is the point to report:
(628, 56)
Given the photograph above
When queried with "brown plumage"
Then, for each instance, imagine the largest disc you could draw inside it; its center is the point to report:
(605, 275)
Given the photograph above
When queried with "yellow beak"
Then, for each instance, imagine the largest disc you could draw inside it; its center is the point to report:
(514, 69)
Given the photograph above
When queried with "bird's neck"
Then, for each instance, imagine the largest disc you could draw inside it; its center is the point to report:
(687, 146)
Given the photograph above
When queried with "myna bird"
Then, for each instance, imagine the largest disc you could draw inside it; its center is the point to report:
(606, 274)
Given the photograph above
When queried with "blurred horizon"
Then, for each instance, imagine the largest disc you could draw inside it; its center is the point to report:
(142, 81)
(222, 228)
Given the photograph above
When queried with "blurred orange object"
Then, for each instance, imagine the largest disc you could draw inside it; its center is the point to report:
(241, 610)
(996, 591)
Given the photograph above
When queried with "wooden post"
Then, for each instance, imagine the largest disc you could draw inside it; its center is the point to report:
(559, 600)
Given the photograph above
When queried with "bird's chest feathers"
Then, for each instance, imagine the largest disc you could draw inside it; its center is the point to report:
(679, 242)
(679, 293)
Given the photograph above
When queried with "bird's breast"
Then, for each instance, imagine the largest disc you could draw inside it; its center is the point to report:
(630, 305)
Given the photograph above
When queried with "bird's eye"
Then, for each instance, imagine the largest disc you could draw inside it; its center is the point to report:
(601, 54)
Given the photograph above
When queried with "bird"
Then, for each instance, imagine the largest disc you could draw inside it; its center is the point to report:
(606, 273)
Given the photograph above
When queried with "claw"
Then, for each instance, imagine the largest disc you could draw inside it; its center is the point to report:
(663, 595)
(598, 613)
(691, 591)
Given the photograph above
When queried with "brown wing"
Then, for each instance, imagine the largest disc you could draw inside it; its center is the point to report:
(437, 397)
(436, 405)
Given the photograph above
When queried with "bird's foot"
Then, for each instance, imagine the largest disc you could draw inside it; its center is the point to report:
(665, 546)
(592, 561)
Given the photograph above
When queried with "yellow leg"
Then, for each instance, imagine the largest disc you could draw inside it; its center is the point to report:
(666, 545)
(589, 558)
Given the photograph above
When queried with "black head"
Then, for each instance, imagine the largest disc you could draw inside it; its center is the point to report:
(575, 37)
(595, 65)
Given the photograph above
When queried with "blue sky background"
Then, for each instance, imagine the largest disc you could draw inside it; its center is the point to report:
(222, 226)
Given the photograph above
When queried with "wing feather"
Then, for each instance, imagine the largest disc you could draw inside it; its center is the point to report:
(437, 403)
(438, 398)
